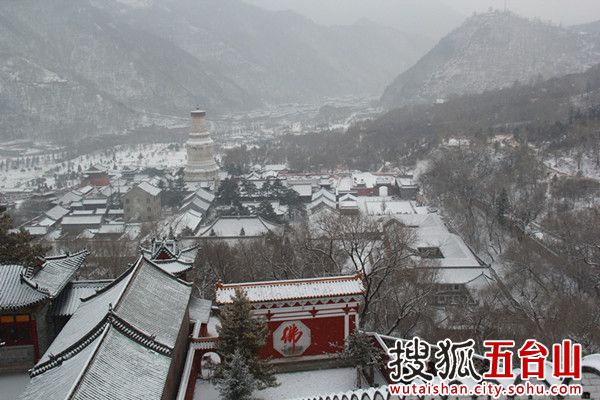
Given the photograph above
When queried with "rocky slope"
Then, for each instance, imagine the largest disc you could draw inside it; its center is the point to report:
(491, 51)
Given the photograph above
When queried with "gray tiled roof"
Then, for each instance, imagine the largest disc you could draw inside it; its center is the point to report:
(124, 369)
(56, 272)
(56, 383)
(118, 343)
(14, 292)
(70, 299)
(20, 287)
(155, 303)
(174, 266)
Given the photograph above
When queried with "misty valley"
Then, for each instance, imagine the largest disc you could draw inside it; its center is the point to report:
(271, 200)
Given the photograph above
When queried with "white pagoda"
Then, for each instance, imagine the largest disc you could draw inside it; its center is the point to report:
(201, 165)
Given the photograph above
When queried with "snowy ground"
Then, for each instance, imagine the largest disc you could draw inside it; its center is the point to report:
(158, 155)
(568, 166)
(12, 385)
(293, 385)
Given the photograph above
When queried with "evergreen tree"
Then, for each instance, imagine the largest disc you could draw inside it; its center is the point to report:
(237, 383)
(241, 333)
(502, 205)
(266, 211)
(17, 247)
(228, 192)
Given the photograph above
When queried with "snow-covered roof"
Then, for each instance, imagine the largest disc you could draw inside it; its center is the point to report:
(233, 226)
(149, 188)
(57, 212)
(111, 229)
(83, 212)
(15, 293)
(85, 189)
(384, 205)
(321, 201)
(70, 197)
(70, 299)
(175, 266)
(406, 182)
(347, 285)
(124, 332)
(202, 194)
(190, 219)
(20, 287)
(170, 257)
(304, 190)
(57, 271)
(82, 220)
(432, 232)
(35, 230)
(197, 204)
(94, 202)
(47, 222)
(323, 193)
(370, 180)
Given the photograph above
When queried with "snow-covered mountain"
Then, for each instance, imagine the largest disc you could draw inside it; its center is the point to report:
(75, 68)
(490, 51)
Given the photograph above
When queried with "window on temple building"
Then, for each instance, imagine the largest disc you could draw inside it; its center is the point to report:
(15, 330)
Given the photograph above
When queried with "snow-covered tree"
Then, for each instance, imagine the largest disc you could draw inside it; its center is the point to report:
(236, 382)
(241, 333)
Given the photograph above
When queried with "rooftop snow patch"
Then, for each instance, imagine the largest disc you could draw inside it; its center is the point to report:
(258, 292)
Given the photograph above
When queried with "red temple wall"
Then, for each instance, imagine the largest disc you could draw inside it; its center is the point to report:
(324, 332)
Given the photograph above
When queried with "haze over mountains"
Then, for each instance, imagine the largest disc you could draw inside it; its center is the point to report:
(491, 51)
(71, 69)
(89, 67)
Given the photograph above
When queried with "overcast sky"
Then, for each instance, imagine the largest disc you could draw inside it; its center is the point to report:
(432, 17)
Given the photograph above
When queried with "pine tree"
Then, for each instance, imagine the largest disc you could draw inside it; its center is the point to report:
(502, 205)
(265, 210)
(240, 332)
(17, 247)
(237, 383)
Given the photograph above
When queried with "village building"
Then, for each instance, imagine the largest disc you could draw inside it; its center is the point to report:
(408, 189)
(95, 176)
(459, 273)
(199, 201)
(322, 199)
(142, 203)
(348, 204)
(26, 296)
(76, 223)
(186, 224)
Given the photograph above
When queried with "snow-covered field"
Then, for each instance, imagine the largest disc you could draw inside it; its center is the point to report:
(293, 385)
(158, 155)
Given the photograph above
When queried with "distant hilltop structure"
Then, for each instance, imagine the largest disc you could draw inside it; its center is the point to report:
(201, 165)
